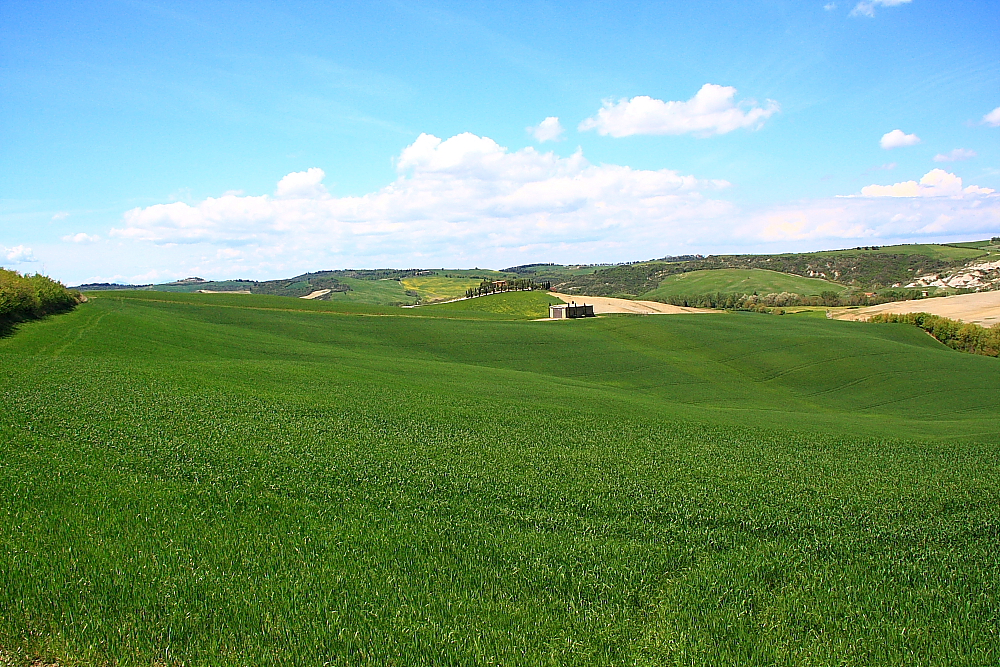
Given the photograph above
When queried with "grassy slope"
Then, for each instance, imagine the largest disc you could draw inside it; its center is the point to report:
(743, 281)
(375, 292)
(956, 252)
(874, 268)
(186, 479)
(934, 250)
(509, 305)
(436, 288)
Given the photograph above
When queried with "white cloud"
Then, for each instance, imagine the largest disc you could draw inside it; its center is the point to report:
(935, 183)
(830, 6)
(841, 221)
(898, 139)
(61, 215)
(467, 201)
(938, 206)
(18, 254)
(867, 7)
(81, 237)
(549, 129)
(992, 118)
(299, 185)
(710, 111)
(955, 155)
(451, 197)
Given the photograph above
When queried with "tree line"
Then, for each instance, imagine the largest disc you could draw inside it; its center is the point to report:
(960, 336)
(27, 297)
(767, 302)
(515, 285)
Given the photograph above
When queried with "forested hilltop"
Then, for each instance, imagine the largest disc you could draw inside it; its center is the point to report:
(26, 297)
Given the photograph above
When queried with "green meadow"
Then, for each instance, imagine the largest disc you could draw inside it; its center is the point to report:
(740, 281)
(951, 251)
(438, 287)
(195, 479)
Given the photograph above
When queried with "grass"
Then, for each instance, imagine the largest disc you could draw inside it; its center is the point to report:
(223, 480)
(949, 252)
(439, 288)
(740, 281)
(374, 292)
(508, 305)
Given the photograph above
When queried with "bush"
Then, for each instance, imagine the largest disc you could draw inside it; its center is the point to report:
(762, 303)
(960, 336)
(24, 297)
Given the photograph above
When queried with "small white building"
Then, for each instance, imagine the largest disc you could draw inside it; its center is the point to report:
(564, 311)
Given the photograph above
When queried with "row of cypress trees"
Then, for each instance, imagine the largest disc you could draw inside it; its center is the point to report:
(515, 285)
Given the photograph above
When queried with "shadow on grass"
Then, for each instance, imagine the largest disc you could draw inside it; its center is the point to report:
(9, 323)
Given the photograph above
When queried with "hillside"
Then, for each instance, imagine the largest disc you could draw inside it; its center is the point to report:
(871, 268)
(922, 267)
(231, 480)
(741, 281)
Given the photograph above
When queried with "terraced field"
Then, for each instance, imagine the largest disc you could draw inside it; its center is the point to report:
(222, 480)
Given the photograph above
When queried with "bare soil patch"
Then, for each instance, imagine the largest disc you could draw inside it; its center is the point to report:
(982, 308)
(315, 295)
(605, 304)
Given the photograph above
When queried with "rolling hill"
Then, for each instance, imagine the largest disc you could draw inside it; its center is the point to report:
(741, 281)
(216, 479)
(854, 270)
(872, 268)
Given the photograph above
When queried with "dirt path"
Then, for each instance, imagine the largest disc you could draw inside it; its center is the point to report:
(607, 304)
(982, 308)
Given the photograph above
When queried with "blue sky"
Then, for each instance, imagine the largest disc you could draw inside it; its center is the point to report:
(146, 141)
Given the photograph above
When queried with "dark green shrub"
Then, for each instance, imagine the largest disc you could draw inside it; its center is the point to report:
(25, 297)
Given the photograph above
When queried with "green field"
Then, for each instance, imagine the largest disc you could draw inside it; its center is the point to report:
(253, 480)
(949, 252)
(506, 305)
(375, 292)
(740, 281)
(439, 288)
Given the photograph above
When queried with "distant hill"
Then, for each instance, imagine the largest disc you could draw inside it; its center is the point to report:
(100, 287)
(854, 270)
(742, 281)
(869, 268)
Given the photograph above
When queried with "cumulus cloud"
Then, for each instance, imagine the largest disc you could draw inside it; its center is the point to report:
(867, 7)
(300, 185)
(18, 254)
(935, 206)
(549, 129)
(992, 118)
(711, 111)
(845, 220)
(955, 155)
(462, 193)
(81, 237)
(466, 200)
(935, 183)
(898, 139)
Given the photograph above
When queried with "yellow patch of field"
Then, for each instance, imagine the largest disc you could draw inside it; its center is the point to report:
(438, 288)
